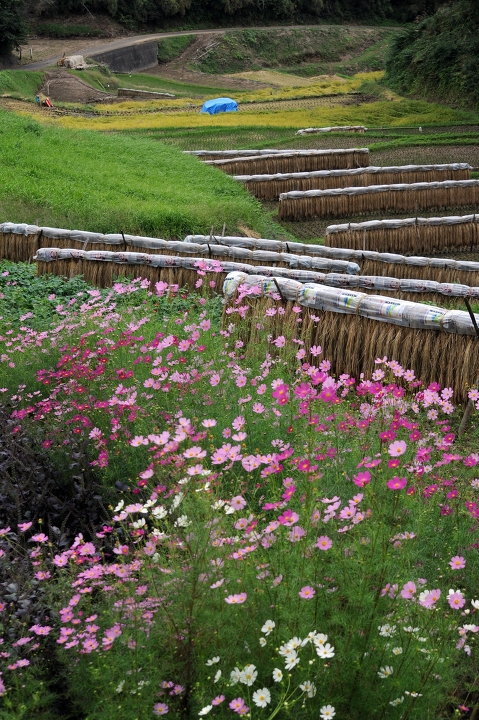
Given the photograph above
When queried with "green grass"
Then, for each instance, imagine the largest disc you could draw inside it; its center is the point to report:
(109, 183)
(59, 30)
(21, 84)
(171, 48)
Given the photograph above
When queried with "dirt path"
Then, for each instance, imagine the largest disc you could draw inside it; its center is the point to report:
(79, 48)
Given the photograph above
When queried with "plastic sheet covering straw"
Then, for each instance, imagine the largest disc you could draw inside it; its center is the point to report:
(374, 307)
(71, 262)
(354, 329)
(408, 236)
(294, 161)
(222, 154)
(270, 187)
(297, 205)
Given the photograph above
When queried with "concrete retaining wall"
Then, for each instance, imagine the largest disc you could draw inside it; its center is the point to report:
(133, 58)
(146, 94)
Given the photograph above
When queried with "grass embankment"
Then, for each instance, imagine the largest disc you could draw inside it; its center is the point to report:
(140, 81)
(22, 84)
(310, 50)
(112, 183)
(172, 47)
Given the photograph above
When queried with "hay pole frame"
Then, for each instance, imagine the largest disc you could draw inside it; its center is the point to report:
(470, 403)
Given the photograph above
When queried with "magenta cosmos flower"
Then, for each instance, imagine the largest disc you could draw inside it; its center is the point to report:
(362, 478)
(307, 592)
(236, 599)
(397, 448)
(457, 562)
(396, 483)
(324, 543)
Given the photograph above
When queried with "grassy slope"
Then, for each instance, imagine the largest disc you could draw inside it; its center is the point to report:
(20, 83)
(253, 49)
(112, 183)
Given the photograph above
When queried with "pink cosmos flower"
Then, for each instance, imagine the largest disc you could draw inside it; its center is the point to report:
(218, 700)
(236, 599)
(431, 598)
(307, 592)
(23, 527)
(457, 562)
(237, 704)
(40, 537)
(296, 534)
(324, 543)
(397, 448)
(160, 709)
(288, 518)
(456, 599)
(396, 483)
(40, 630)
(238, 502)
(408, 590)
(362, 478)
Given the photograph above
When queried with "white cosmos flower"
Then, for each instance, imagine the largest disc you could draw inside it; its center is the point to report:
(159, 512)
(411, 629)
(119, 506)
(277, 675)
(320, 639)
(291, 662)
(309, 688)
(229, 510)
(138, 523)
(475, 604)
(397, 650)
(235, 676)
(387, 630)
(325, 651)
(385, 671)
(286, 651)
(268, 627)
(413, 694)
(262, 697)
(213, 660)
(327, 712)
(182, 521)
(397, 701)
(249, 675)
(262, 641)
(294, 643)
(206, 710)
(309, 638)
(218, 504)
(217, 676)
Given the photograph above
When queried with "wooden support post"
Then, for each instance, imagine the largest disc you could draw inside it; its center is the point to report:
(470, 404)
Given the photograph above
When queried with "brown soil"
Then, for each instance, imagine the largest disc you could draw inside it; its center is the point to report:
(61, 86)
(178, 70)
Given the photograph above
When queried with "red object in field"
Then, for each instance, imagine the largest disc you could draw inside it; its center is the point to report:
(48, 102)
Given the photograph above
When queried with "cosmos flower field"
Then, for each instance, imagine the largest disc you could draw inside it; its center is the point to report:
(276, 542)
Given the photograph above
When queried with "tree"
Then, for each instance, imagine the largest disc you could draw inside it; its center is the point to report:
(13, 28)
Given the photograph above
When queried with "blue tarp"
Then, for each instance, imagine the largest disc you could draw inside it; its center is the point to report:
(218, 105)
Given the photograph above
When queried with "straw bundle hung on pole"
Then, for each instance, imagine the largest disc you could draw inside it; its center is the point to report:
(233, 154)
(354, 329)
(270, 187)
(294, 161)
(410, 236)
(342, 202)
(336, 128)
(441, 270)
(102, 268)
(19, 242)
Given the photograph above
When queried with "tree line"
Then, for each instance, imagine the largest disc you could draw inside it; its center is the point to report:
(15, 15)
